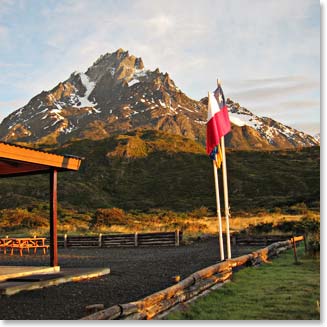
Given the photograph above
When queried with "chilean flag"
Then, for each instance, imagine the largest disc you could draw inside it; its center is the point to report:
(218, 123)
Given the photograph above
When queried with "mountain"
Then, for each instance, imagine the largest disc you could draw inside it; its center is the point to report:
(117, 94)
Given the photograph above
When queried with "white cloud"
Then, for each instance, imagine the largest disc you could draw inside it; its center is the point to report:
(3, 34)
(262, 49)
(309, 104)
(161, 24)
(266, 93)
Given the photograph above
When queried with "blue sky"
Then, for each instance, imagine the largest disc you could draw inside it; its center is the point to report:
(266, 53)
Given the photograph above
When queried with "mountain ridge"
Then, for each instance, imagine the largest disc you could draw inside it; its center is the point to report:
(144, 169)
(117, 94)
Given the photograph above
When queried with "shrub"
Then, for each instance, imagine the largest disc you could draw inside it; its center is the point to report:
(12, 219)
(200, 212)
(313, 244)
(260, 228)
(109, 216)
(306, 226)
(299, 208)
(286, 226)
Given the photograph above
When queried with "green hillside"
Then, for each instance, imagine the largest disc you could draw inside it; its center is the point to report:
(148, 169)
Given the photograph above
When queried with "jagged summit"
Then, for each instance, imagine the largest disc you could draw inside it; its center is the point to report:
(117, 93)
(119, 65)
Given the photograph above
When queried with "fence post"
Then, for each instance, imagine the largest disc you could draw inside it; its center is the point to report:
(136, 239)
(100, 240)
(305, 243)
(177, 237)
(65, 241)
(234, 243)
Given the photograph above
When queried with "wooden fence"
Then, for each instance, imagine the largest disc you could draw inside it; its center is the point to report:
(122, 240)
(152, 305)
(257, 240)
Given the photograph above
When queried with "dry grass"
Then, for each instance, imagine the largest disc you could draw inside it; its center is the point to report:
(239, 223)
(197, 226)
(190, 224)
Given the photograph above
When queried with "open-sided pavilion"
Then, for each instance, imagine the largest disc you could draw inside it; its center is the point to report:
(16, 160)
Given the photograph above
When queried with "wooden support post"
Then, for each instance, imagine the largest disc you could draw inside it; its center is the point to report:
(65, 241)
(294, 249)
(53, 219)
(100, 240)
(177, 237)
(136, 239)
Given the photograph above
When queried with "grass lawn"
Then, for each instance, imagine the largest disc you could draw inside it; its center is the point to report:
(277, 290)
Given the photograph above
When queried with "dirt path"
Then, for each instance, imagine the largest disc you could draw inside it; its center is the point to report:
(135, 273)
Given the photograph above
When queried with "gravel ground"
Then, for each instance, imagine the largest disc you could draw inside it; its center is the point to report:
(135, 273)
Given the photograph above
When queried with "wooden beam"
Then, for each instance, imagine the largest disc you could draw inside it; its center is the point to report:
(28, 155)
(53, 219)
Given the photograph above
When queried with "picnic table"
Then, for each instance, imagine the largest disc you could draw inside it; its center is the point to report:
(23, 243)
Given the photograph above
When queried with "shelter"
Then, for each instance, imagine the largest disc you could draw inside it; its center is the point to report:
(16, 160)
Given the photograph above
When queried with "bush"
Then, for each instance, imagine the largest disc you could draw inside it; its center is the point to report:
(298, 209)
(12, 219)
(313, 244)
(306, 226)
(261, 228)
(286, 226)
(200, 212)
(109, 217)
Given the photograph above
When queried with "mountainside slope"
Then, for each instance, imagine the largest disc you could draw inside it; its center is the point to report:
(117, 94)
(147, 169)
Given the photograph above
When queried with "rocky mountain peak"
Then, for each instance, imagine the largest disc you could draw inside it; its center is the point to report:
(119, 65)
(117, 94)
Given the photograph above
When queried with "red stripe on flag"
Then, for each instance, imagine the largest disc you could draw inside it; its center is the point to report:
(217, 126)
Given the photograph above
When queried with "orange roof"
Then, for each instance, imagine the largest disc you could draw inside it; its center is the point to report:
(18, 160)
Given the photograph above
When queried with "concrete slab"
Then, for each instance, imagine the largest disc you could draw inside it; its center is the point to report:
(36, 281)
(7, 272)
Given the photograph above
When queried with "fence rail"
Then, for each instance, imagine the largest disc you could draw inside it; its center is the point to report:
(122, 240)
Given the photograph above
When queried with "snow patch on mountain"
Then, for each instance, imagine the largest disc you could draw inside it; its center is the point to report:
(89, 85)
(133, 82)
(241, 116)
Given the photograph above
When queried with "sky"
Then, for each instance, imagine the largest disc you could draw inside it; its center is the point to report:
(265, 52)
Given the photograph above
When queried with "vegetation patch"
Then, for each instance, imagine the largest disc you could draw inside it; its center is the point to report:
(34, 220)
(148, 169)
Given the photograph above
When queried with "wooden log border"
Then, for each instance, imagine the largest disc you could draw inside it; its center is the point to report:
(150, 306)
(122, 240)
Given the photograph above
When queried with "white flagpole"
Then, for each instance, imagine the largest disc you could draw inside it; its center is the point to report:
(221, 243)
(220, 228)
(229, 253)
